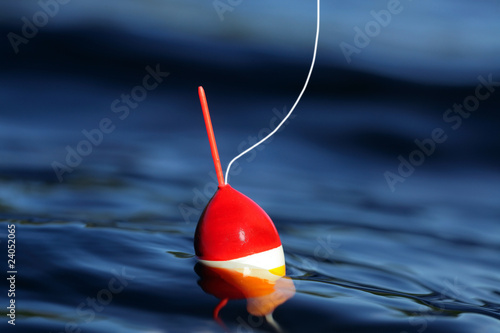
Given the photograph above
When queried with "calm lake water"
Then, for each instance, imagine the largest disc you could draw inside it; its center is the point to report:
(384, 190)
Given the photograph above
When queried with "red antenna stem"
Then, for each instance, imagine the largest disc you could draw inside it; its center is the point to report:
(211, 136)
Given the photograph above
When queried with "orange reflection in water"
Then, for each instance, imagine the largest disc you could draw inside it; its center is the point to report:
(263, 290)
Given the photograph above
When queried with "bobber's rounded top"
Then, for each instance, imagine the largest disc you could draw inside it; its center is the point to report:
(233, 226)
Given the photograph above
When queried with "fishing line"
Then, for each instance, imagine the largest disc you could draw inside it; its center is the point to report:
(294, 105)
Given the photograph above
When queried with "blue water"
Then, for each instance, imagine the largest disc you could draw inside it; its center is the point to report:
(105, 220)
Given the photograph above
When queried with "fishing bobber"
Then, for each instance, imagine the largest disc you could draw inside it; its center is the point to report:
(233, 230)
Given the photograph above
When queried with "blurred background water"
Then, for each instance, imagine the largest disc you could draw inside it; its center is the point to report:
(372, 243)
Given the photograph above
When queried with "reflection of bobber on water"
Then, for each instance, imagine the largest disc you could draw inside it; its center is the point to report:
(233, 231)
(263, 290)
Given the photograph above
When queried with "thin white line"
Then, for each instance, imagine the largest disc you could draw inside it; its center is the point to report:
(293, 107)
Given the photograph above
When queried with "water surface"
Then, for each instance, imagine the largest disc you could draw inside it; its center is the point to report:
(108, 244)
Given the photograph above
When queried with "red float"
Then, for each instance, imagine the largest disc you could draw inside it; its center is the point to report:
(233, 231)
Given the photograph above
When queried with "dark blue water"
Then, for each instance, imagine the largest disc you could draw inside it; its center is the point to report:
(384, 186)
